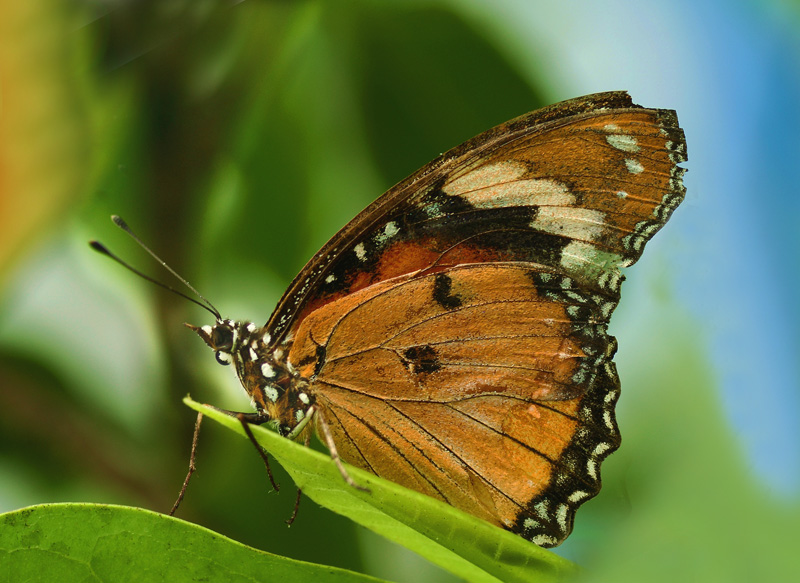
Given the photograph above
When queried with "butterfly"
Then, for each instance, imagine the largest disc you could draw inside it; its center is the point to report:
(453, 336)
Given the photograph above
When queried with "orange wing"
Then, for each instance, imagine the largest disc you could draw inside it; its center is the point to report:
(470, 384)
(453, 335)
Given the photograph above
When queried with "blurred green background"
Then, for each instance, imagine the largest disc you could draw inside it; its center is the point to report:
(237, 137)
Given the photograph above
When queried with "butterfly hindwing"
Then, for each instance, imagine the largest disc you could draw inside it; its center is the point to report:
(464, 383)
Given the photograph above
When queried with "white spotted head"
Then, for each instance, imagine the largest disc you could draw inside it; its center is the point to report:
(239, 343)
(268, 378)
(223, 338)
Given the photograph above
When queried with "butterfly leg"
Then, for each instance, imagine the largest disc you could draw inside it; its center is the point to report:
(251, 418)
(192, 467)
(299, 492)
(244, 420)
(326, 434)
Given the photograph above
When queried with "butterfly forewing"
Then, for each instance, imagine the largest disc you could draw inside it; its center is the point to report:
(559, 171)
(453, 335)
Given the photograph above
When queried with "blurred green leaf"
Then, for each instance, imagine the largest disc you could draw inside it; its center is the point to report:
(679, 502)
(90, 542)
(424, 93)
(42, 169)
(464, 545)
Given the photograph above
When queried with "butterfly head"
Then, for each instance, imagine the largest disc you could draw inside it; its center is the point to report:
(266, 374)
(278, 392)
(223, 338)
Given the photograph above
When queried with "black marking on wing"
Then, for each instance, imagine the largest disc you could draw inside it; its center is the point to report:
(443, 294)
(421, 359)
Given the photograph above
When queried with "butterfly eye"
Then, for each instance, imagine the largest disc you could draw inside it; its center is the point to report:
(222, 336)
(222, 357)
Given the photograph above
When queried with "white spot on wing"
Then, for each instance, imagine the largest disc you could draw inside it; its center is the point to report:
(360, 251)
(330, 279)
(390, 230)
(543, 539)
(432, 210)
(649, 230)
(623, 143)
(601, 448)
(575, 223)
(499, 185)
(576, 497)
(591, 468)
(582, 256)
(267, 371)
(561, 516)
(634, 166)
(272, 393)
(607, 419)
(530, 523)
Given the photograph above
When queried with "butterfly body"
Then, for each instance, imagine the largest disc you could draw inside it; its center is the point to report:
(453, 336)
(279, 394)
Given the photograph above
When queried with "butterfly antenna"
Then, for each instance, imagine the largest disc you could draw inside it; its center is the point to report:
(100, 248)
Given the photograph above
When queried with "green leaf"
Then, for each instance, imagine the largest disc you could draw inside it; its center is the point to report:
(98, 543)
(458, 542)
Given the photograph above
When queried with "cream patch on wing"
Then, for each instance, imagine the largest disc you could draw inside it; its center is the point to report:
(499, 185)
(572, 222)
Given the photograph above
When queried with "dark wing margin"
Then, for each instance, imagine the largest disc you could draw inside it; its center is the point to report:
(548, 518)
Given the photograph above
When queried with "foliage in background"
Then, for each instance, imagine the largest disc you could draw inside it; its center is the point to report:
(236, 138)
